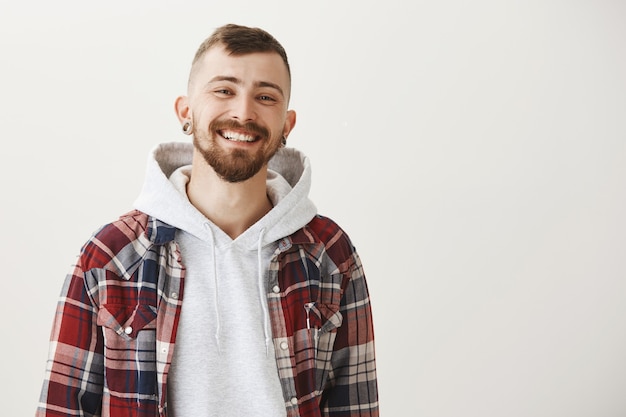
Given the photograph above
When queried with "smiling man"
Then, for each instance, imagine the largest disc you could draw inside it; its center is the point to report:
(223, 292)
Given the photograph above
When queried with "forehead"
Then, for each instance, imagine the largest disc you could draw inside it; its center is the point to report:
(249, 68)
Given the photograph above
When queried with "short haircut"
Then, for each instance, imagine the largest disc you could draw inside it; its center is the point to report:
(241, 40)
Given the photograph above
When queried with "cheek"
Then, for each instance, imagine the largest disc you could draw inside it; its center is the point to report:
(205, 110)
(276, 123)
(202, 121)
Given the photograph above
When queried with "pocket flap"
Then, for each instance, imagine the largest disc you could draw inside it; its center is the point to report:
(126, 320)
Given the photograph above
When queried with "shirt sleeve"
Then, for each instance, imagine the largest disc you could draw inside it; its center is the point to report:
(74, 374)
(352, 390)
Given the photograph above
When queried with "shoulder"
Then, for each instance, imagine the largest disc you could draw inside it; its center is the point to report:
(125, 237)
(119, 233)
(336, 241)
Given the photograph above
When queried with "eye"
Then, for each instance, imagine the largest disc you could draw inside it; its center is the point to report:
(223, 91)
(266, 98)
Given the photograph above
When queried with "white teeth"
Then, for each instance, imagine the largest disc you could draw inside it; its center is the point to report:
(238, 137)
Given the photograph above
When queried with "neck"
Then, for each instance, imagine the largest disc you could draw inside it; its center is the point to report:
(233, 207)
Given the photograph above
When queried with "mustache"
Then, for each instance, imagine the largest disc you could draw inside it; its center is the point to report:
(252, 127)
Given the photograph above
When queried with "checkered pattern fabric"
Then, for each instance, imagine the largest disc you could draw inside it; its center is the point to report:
(115, 327)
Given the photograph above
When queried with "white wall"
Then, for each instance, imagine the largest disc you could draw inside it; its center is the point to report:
(474, 151)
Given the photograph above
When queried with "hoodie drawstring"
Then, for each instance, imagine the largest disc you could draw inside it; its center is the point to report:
(263, 294)
(216, 300)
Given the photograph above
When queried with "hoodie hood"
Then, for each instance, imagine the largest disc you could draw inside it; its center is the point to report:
(288, 185)
(225, 324)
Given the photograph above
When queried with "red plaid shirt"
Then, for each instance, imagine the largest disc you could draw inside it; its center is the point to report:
(115, 329)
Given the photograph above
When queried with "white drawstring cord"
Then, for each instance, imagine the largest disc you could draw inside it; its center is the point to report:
(262, 294)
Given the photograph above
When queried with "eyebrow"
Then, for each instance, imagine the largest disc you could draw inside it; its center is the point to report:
(238, 81)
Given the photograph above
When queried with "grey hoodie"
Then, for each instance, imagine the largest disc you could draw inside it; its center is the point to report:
(224, 361)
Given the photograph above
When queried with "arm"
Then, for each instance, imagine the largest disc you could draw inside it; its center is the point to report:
(353, 389)
(74, 372)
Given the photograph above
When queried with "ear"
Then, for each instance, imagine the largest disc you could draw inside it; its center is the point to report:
(290, 122)
(181, 107)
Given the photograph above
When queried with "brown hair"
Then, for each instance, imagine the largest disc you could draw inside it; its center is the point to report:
(241, 40)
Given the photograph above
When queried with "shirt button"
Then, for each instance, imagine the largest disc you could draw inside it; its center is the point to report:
(128, 330)
(284, 244)
(175, 295)
(294, 400)
(284, 345)
(276, 289)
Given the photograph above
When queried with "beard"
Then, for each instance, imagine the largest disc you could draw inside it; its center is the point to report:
(235, 165)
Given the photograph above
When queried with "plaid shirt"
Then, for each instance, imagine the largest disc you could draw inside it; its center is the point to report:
(115, 328)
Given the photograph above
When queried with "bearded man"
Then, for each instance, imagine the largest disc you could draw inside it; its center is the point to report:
(223, 292)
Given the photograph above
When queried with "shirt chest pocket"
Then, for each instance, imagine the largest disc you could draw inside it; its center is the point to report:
(323, 323)
(130, 346)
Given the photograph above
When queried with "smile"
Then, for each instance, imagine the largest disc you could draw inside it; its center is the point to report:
(237, 136)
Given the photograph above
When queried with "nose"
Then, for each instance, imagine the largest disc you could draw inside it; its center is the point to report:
(243, 108)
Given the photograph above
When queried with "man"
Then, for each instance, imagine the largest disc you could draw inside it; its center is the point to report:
(223, 293)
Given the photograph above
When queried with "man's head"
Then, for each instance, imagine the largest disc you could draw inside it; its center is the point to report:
(238, 93)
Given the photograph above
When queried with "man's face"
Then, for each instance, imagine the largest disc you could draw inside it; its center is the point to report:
(238, 106)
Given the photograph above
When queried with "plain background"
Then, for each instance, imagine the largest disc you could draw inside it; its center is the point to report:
(474, 151)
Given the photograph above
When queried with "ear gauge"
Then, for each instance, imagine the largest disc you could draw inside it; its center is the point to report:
(284, 141)
(187, 127)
